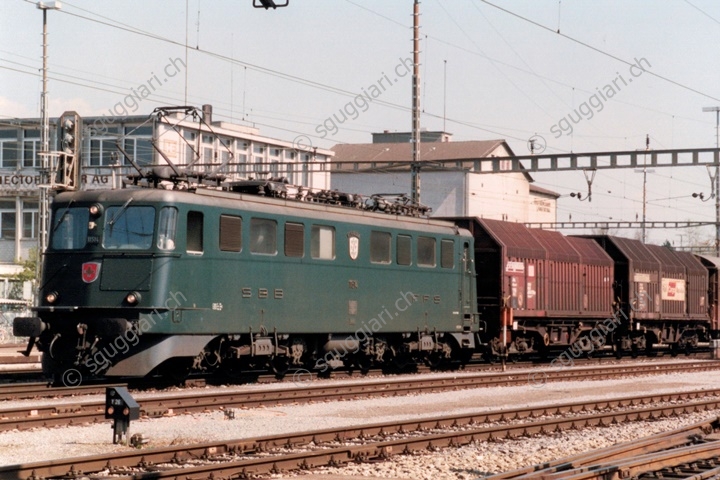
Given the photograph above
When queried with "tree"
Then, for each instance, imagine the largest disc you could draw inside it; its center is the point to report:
(28, 274)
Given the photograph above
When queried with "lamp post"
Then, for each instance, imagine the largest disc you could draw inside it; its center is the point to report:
(44, 203)
(717, 177)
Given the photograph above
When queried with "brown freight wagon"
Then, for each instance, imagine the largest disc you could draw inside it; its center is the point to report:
(535, 286)
(712, 264)
(660, 293)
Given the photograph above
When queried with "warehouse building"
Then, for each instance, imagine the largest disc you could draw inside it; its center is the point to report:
(449, 183)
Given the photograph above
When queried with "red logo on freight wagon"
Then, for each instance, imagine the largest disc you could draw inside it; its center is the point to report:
(90, 271)
(672, 289)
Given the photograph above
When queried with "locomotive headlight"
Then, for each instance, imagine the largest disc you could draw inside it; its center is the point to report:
(132, 298)
(96, 210)
(51, 297)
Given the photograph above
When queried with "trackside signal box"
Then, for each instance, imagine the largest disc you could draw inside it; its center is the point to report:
(121, 407)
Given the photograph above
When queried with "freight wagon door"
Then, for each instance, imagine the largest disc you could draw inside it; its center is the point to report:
(515, 293)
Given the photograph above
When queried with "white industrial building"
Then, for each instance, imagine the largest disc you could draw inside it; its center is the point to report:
(451, 188)
(236, 150)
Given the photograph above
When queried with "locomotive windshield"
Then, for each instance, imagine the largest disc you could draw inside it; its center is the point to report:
(128, 227)
(69, 230)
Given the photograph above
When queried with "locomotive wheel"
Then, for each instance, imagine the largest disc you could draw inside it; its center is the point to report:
(280, 366)
(176, 370)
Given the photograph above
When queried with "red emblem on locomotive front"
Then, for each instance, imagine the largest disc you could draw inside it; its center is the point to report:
(90, 271)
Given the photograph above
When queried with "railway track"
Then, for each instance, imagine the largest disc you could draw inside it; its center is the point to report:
(23, 418)
(242, 458)
(691, 452)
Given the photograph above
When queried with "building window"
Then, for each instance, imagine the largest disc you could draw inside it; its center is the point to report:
(294, 240)
(9, 148)
(241, 161)
(263, 236)
(30, 224)
(380, 247)
(404, 250)
(426, 251)
(8, 220)
(322, 242)
(230, 233)
(189, 147)
(290, 173)
(103, 152)
(9, 152)
(31, 147)
(137, 144)
(447, 254)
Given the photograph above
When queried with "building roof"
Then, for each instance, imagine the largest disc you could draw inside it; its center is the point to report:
(402, 152)
(543, 191)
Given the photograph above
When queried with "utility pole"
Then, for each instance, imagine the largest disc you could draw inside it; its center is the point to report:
(716, 187)
(415, 165)
(44, 202)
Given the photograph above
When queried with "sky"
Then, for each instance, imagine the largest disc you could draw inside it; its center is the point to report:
(497, 69)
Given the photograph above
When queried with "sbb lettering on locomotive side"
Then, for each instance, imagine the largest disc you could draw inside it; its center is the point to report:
(277, 293)
(426, 298)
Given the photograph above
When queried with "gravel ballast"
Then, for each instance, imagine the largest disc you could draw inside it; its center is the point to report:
(464, 463)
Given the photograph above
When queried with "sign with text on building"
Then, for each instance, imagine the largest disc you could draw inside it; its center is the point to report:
(30, 181)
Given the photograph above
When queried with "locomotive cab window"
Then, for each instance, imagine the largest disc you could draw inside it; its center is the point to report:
(70, 228)
(195, 232)
(167, 224)
(404, 250)
(447, 254)
(322, 242)
(263, 236)
(426, 252)
(380, 247)
(128, 228)
(230, 233)
(294, 240)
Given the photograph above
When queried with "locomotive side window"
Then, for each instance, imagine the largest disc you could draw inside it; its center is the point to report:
(380, 247)
(70, 228)
(129, 228)
(426, 251)
(167, 225)
(322, 242)
(230, 233)
(263, 236)
(447, 254)
(294, 240)
(404, 250)
(195, 232)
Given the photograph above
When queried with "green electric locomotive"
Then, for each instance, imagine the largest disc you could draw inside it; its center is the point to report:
(150, 280)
